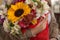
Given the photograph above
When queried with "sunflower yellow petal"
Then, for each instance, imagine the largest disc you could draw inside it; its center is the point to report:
(14, 7)
(34, 21)
(12, 10)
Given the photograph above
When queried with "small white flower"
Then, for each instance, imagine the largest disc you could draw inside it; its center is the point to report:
(35, 3)
(2, 6)
(12, 31)
(3, 10)
(17, 32)
(1, 13)
(45, 5)
(16, 25)
(8, 1)
(16, 28)
(6, 25)
(38, 13)
(28, 1)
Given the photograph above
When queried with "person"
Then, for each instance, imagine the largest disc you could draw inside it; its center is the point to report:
(45, 30)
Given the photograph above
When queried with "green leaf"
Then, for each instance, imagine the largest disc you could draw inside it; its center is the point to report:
(34, 0)
(11, 24)
(7, 6)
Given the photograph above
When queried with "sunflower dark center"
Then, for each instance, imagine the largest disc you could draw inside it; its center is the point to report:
(19, 12)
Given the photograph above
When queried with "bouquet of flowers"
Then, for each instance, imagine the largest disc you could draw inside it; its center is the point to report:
(20, 14)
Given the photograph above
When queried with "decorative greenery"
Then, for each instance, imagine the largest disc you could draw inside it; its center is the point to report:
(34, 0)
(8, 6)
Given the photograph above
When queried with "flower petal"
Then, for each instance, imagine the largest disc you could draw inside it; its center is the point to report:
(14, 7)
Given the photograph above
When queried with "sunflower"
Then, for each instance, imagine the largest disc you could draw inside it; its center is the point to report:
(18, 11)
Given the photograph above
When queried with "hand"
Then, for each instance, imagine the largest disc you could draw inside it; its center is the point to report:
(40, 27)
(53, 39)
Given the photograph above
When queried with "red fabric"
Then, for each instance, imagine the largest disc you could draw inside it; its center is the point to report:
(44, 35)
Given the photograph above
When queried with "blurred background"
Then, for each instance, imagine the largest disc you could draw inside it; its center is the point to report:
(55, 4)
